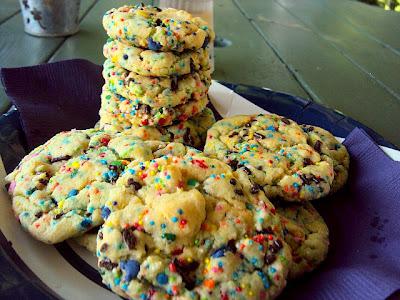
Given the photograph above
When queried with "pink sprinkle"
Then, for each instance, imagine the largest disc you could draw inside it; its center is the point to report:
(11, 188)
(215, 269)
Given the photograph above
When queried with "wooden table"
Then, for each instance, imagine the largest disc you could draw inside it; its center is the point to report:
(341, 53)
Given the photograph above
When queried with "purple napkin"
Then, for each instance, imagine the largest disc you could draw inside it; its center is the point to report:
(364, 218)
(54, 97)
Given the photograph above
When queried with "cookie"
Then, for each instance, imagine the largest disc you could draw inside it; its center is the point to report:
(88, 240)
(157, 29)
(65, 187)
(306, 233)
(154, 63)
(140, 114)
(273, 150)
(191, 132)
(157, 92)
(328, 146)
(194, 231)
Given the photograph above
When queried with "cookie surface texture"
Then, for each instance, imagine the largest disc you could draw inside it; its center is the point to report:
(306, 233)
(156, 92)
(154, 63)
(67, 186)
(194, 231)
(273, 150)
(157, 29)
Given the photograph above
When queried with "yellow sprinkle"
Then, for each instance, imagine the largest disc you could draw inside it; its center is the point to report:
(140, 222)
(250, 293)
(75, 165)
(152, 173)
(207, 260)
(189, 259)
(157, 251)
(61, 204)
(250, 135)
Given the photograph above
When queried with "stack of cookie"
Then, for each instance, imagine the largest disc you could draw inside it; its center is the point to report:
(157, 73)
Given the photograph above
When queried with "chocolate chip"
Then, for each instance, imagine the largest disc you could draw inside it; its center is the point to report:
(286, 121)
(273, 248)
(259, 168)
(317, 146)
(107, 264)
(233, 134)
(305, 180)
(187, 138)
(308, 128)
(39, 214)
(125, 56)
(239, 192)
(307, 161)
(233, 164)
(158, 22)
(157, 8)
(60, 158)
(267, 230)
(134, 184)
(232, 181)
(192, 66)
(278, 244)
(185, 266)
(43, 181)
(205, 43)
(259, 135)
(146, 109)
(104, 247)
(100, 235)
(248, 124)
(174, 83)
(269, 258)
(57, 216)
(231, 246)
(113, 168)
(247, 170)
(129, 238)
(255, 189)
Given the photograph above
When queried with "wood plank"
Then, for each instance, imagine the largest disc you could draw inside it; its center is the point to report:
(248, 60)
(356, 47)
(88, 43)
(329, 76)
(8, 9)
(381, 24)
(20, 49)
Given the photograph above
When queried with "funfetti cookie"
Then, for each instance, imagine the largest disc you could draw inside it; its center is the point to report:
(328, 146)
(67, 186)
(88, 240)
(154, 63)
(194, 231)
(273, 151)
(191, 132)
(156, 92)
(140, 114)
(157, 29)
(306, 233)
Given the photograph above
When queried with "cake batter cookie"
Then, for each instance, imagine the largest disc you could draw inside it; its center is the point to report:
(157, 92)
(194, 231)
(306, 233)
(153, 63)
(157, 29)
(88, 240)
(191, 132)
(273, 151)
(140, 114)
(328, 146)
(67, 186)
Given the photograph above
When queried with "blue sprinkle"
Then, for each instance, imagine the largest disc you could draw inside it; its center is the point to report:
(117, 281)
(153, 45)
(162, 278)
(272, 269)
(174, 219)
(86, 223)
(163, 226)
(152, 223)
(264, 279)
(125, 56)
(103, 161)
(105, 212)
(218, 253)
(124, 286)
(132, 172)
(72, 193)
(220, 264)
(180, 211)
(131, 268)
